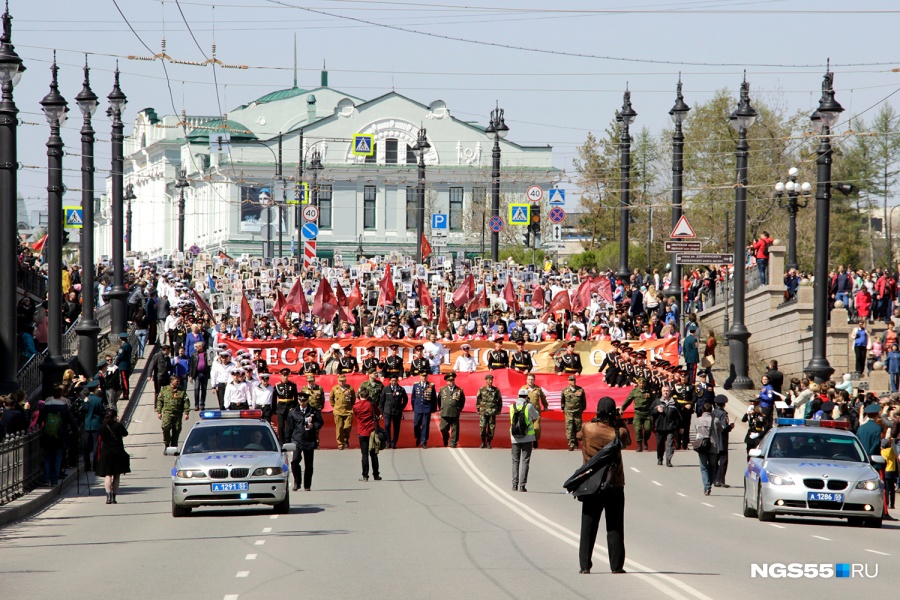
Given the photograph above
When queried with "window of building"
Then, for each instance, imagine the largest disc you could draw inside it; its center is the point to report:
(411, 208)
(411, 158)
(390, 152)
(370, 160)
(324, 206)
(369, 198)
(456, 209)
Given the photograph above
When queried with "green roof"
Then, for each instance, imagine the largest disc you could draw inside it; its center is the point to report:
(281, 95)
(235, 130)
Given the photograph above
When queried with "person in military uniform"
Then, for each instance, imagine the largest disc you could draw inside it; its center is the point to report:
(610, 365)
(424, 403)
(419, 364)
(310, 365)
(498, 358)
(488, 403)
(286, 397)
(570, 362)
(642, 396)
(342, 400)
(373, 384)
(171, 404)
(303, 425)
(521, 360)
(573, 403)
(261, 365)
(347, 363)
(370, 363)
(684, 398)
(315, 392)
(393, 401)
(538, 399)
(393, 364)
(451, 400)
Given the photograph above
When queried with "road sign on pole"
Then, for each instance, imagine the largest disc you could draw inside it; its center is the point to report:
(311, 213)
(363, 144)
(680, 246)
(698, 258)
(519, 214)
(73, 217)
(557, 197)
(535, 193)
(683, 229)
(557, 233)
(496, 224)
(310, 231)
(557, 215)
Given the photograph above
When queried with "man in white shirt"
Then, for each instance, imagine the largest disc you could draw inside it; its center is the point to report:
(466, 362)
(237, 394)
(261, 396)
(434, 352)
(220, 375)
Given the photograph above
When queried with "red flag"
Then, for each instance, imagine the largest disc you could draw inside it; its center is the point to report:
(581, 299)
(425, 298)
(560, 302)
(478, 302)
(465, 291)
(426, 248)
(296, 299)
(203, 305)
(246, 317)
(386, 288)
(343, 311)
(38, 246)
(280, 309)
(355, 298)
(443, 323)
(602, 286)
(224, 256)
(537, 297)
(509, 294)
(325, 303)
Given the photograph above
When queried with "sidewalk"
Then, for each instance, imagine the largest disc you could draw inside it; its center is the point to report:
(41, 497)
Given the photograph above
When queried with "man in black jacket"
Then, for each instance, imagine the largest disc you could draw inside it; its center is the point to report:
(302, 427)
(161, 369)
(666, 421)
(199, 367)
(392, 402)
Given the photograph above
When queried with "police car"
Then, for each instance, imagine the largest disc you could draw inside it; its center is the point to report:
(813, 468)
(230, 457)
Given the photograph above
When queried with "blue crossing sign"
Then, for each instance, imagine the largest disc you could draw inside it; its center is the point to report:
(439, 221)
(73, 219)
(557, 197)
(310, 231)
(363, 144)
(519, 214)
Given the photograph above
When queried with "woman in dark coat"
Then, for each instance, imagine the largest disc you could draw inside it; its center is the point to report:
(114, 461)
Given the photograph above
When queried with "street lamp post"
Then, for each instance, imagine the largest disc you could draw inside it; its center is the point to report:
(265, 200)
(794, 190)
(11, 69)
(421, 148)
(129, 196)
(823, 119)
(118, 293)
(315, 166)
(741, 119)
(496, 127)
(54, 106)
(180, 184)
(678, 113)
(626, 117)
(87, 328)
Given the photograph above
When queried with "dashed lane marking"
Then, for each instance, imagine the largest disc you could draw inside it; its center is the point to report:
(250, 557)
(824, 539)
(682, 495)
(656, 483)
(273, 517)
(243, 574)
(777, 526)
(267, 530)
(635, 470)
(877, 552)
(707, 504)
(230, 597)
(259, 542)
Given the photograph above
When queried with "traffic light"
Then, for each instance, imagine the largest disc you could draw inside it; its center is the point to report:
(65, 237)
(525, 236)
(535, 225)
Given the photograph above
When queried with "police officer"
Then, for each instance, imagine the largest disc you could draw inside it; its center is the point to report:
(684, 397)
(573, 403)
(570, 363)
(393, 402)
(393, 364)
(488, 403)
(521, 359)
(721, 415)
(419, 364)
(261, 397)
(342, 400)
(498, 358)
(373, 385)
(171, 404)
(370, 363)
(347, 363)
(424, 403)
(450, 400)
(538, 399)
(303, 424)
(286, 397)
(315, 392)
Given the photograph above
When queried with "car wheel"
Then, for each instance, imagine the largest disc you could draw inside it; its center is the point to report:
(748, 510)
(180, 511)
(760, 513)
(284, 507)
(872, 523)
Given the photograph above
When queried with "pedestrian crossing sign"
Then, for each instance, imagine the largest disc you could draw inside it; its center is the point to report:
(301, 193)
(519, 214)
(363, 144)
(73, 217)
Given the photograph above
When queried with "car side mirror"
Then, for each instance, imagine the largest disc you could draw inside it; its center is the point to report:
(878, 461)
(289, 447)
(755, 453)
(172, 451)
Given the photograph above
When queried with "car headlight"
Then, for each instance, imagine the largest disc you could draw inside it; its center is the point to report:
(780, 479)
(190, 474)
(869, 485)
(267, 471)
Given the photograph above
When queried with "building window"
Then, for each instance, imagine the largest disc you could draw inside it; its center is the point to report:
(390, 152)
(412, 207)
(456, 209)
(411, 158)
(371, 160)
(369, 196)
(324, 206)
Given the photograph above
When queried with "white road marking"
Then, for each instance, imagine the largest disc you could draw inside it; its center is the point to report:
(824, 539)
(658, 580)
(682, 495)
(259, 542)
(635, 470)
(250, 557)
(707, 504)
(877, 552)
(776, 525)
(267, 530)
(656, 483)
(243, 574)
(231, 597)
(742, 516)
(274, 517)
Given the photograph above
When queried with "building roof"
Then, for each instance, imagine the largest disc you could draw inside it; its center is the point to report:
(235, 130)
(280, 95)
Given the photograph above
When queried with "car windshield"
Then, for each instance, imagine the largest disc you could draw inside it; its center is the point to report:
(230, 438)
(816, 445)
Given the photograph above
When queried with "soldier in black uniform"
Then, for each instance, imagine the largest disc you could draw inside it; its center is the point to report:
(498, 358)
(392, 365)
(286, 397)
(419, 364)
(570, 363)
(370, 362)
(521, 358)
(261, 365)
(684, 398)
(610, 367)
(347, 363)
(311, 366)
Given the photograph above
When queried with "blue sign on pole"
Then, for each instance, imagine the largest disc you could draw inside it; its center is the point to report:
(557, 197)
(439, 221)
(310, 231)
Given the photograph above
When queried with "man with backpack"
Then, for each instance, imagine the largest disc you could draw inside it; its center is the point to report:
(522, 416)
(761, 252)
(56, 423)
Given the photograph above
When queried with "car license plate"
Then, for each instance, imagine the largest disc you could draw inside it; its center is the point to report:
(824, 497)
(239, 486)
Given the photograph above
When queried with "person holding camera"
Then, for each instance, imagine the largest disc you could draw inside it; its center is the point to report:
(302, 428)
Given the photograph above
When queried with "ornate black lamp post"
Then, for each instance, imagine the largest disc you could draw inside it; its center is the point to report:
(129, 196)
(678, 113)
(794, 190)
(626, 117)
(421, 148)
(180, 184)
(118, 293)
(498, 129)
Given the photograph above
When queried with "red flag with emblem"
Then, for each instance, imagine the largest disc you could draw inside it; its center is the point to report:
(478, 302)
(425, 298)
(38, 246)
(581, 299)
(464, 292)
(602, 286)
(296, 299)
(560, 302)
(426, 248)
(355, 298)
(280, 309)
(246, 316)
(325, 303)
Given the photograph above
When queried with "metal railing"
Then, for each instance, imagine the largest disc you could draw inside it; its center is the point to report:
(752, 282)
(33, 283)
(20, 464)
(30, 376)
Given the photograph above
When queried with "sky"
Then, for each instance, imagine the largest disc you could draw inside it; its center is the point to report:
(557, 69)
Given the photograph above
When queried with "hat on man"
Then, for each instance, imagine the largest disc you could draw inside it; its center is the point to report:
(488, 376)
(372, 371)
(92, 384)
(394, 346)
(523, 393)
(466, 347)
(285, 371)
(721, 399)
(225, 353)
(342, 377)
(123, 335)
(310, 377)
(872, 409)
(264, 375)
(520, 342)
(571, 378)
(450, 377)
(418, 348)
(335, 346)
(237, 371)
(571, 343)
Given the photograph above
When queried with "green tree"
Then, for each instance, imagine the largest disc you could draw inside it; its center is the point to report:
(597, 168)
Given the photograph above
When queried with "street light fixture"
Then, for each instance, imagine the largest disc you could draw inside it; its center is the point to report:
(823, 119)
(679, 114)
(55, 108)
(741, 119)
(180, 184)
(625, 117)
(129, 196)
(118, 293)
(421, 148)
(315, 166)
(794, 190)
(498, 130)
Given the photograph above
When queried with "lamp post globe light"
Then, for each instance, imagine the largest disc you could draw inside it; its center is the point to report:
(794, 190)
(741, 119)
(823, 119)
(626, 117)
(11, 69)
(498, 129)
(87, 328)
(118, 293)
(678, 113)
(421, 148)
(55, 108)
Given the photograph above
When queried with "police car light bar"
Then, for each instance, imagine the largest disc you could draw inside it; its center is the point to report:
(231, 414)
(780, 422)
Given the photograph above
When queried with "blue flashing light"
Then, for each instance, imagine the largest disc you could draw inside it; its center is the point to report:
(231, 414)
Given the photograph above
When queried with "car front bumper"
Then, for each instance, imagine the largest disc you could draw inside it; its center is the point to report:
(192, 493)
(793, 500)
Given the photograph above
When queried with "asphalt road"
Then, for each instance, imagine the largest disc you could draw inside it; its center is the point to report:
(442, 524)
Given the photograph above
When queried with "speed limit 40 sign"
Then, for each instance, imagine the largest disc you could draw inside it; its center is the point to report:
(535, 193)
(311, 213)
